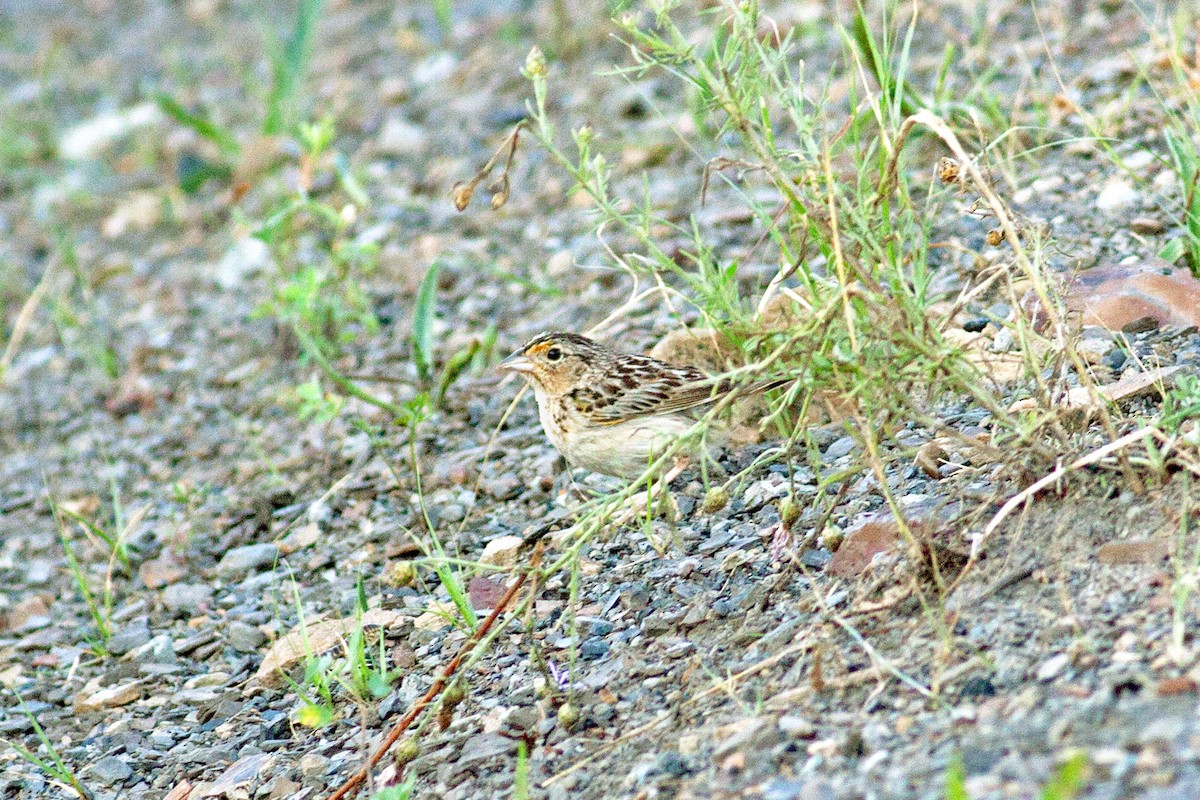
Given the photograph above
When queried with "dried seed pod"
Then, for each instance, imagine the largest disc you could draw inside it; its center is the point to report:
(499, 190)
(535, 63)
(789, 512)
(568, 716)
(995, 236)
(462, 194)
(947, 170)
(454, 694)
(716, 499)
(401, 573)
(406, 751)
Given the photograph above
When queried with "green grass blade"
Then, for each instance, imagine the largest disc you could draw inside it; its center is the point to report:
(1068, 780)
(423, 316)
(223, 138)
(289, 66)
(956, 779)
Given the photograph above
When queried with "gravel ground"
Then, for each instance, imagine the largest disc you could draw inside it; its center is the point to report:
(726, 654)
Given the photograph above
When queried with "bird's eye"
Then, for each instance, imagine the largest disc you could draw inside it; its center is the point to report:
(553, 354)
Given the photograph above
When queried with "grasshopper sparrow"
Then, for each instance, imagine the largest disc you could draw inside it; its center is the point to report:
(613, 412)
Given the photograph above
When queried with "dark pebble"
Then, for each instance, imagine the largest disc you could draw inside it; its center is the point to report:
(1114, 359)
(975, 325)
(673, 764)
(594, 648)
(978, 686)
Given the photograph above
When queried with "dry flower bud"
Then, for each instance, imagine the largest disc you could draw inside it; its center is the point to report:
(568, 716)
(462, 194)
(406, 751)
(947, 169)
(499, 190)
(716, 499)
(535, 63)
(789, 512)
(995, 236)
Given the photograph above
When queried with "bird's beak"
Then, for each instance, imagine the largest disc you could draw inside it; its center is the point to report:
(517, 362)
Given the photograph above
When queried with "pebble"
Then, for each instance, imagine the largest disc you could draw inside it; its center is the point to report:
(1053, 667)
(248, 256)
(111, 771)
(796, 727)
(247, 558)
(127, 639)
(313, 765)
(594, 648)
(842, 447)
(1004, 341)
(1117, 193)
(186, 598)
(243, 637)
(399, 137)
(1147, 226)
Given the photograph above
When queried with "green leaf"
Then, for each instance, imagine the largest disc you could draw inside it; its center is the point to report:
(222, 137)
(314, 715)
(1173, 250)
(423, 316)
(1067, 780)
(956, 779)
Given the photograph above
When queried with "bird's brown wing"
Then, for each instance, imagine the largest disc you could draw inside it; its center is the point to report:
(644, 387)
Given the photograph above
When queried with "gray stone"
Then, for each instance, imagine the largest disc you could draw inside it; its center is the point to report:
(796, 727)
(842, 447)
(243, 637)
(485, 746)
(247, 558)
(186, 598)
(128, 638)
(111, 771)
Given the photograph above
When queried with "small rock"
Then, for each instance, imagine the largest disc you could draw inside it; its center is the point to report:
(127, 639)
(796, 727)
(594, 648)
(503, 487)
(186, 598)
(842, 447)
(247, 558)
(485, 592)
(1117, 193)
(89, 138)
(111, 697)
(399, 137)
(1147, 226)
(501, 551)
(976, 687)
(1164, 731)
(141, 211)
(111, 771)
(861, 545)
(1053, 667)
(237, 776)
(313, 765)
(484, 746)
(1134, 551)
(162, 571)
(243, 637)
(1094, 348)
(248, 256)
(1004, 342)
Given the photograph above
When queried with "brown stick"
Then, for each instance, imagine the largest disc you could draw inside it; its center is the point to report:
(352, 783)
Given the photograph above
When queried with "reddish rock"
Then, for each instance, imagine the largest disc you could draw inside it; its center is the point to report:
(1180, 685)
(485, 592)
(860, 546)
(1129, 296)
(1134, 551)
